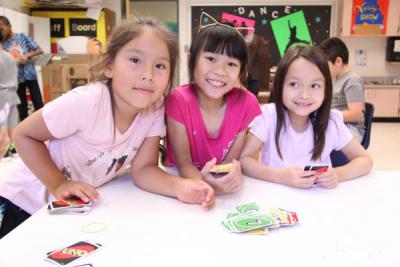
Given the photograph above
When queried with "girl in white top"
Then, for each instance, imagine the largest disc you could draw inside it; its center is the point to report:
(95, 131)
(300, 129)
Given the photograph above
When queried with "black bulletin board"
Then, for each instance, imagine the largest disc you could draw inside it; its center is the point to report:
(280, 25)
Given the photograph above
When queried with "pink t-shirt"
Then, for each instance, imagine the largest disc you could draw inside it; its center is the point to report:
(86, 147)
(296, 148)
(182, 105)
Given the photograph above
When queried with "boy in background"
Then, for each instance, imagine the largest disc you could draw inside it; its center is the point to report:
(348, 88)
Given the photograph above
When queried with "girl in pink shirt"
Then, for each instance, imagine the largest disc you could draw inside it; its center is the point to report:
(98, 130)
(300, 129)
(208, 118)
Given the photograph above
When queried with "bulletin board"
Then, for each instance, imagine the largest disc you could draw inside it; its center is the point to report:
(280, 25)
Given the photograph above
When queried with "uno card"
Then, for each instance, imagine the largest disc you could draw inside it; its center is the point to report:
(247, 222)
(221, 169)
(317, 168)
(248, 208)
(72, 205)
(69, 203)
(72, 253)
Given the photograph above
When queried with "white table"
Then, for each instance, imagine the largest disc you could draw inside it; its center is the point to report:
(356, 224)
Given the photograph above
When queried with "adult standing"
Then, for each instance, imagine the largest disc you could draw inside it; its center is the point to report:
(23, 48)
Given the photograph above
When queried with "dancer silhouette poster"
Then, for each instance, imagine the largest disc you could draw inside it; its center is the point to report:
(280, 25)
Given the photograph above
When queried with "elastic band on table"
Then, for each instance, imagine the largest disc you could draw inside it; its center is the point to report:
(94, 227)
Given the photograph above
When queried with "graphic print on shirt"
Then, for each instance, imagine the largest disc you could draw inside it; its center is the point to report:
(226, 150)
(16, 51)
(66, 171)
(116, 162)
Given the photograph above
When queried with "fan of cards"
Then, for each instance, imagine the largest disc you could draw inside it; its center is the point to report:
(250, 219)
(72, 253)
(72, 205)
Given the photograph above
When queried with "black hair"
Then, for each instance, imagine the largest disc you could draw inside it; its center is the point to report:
(221, 39)
(1, 36)
(334, 48)
(320, 117)
(5, 20)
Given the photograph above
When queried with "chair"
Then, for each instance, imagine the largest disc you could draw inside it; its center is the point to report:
(337, 157)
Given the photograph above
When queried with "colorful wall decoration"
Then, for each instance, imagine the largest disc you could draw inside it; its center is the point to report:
(280, 25)
(369, 16)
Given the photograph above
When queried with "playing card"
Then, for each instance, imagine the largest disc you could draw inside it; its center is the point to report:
(248, 208)
(72, 205)
(247, 222)
(259, 231)
(221, 169)
(72, 253)
(317, 168)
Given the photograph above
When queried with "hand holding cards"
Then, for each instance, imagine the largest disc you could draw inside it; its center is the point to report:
(317, 168)
(72, 205)
(221, 169)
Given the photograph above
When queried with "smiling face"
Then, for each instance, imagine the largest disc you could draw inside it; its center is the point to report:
(216, 74)
(140, 71)
(303, 90)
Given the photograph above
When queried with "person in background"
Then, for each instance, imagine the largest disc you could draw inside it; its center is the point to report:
(348, 87)
(301, 129)
(23, 49)
(259, 65)
(207, 119)
(9, 97)
(88, 136)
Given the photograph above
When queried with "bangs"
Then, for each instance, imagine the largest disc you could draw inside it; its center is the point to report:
(226, 42)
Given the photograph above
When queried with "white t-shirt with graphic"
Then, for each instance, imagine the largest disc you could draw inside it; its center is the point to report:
(87, 147)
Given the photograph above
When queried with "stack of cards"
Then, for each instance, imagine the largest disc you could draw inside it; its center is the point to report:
(72, 253)
(249, 218)
(221, 169)
(72, 205)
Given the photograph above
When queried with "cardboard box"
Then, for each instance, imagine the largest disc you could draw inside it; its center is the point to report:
(74, 22)
(61, 76)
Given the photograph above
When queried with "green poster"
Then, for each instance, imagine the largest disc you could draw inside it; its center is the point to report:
(291, 30)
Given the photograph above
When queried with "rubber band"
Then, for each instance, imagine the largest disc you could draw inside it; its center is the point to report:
(94, 227)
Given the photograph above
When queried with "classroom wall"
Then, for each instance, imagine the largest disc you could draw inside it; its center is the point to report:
(376, 54)
(185, 27)
(374, 46)
(16, 5)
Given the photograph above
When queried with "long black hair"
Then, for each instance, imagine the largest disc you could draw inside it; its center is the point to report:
(320, 117)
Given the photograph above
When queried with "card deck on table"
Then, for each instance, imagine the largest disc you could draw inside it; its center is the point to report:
(72, 253)
(72, 205)
(221, 169)
(251, 219)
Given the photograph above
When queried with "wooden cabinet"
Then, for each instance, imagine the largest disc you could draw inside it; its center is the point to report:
(386, 101)
(393, 19)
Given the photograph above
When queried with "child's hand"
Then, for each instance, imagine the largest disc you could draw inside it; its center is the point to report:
(195, 191)
(82, 190)
(297, 177)
(328, 179)
(225, 184)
